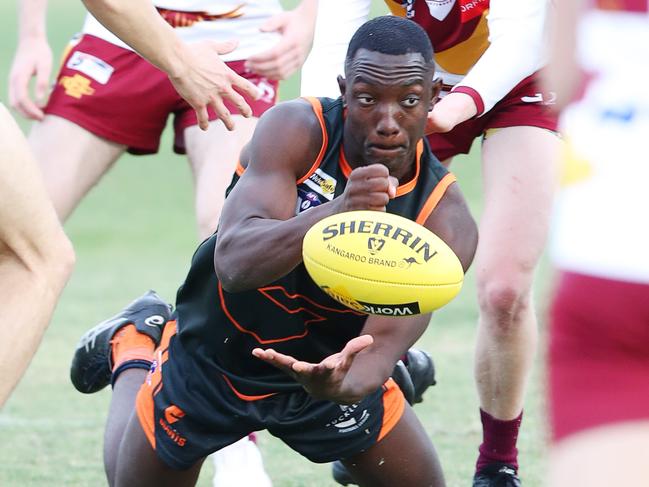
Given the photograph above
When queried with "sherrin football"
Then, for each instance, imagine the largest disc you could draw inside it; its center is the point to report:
(381, 263)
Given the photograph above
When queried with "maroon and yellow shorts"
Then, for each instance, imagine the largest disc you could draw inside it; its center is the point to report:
(525, 105)
(119, 96)
(188, 410)
(598, 353)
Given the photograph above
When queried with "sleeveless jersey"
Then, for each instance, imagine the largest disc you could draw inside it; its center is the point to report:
(292, 315)
(218, 20)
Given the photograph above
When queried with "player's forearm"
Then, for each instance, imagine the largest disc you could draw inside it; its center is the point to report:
(263, 250)
(374, 365)
(517, 36)
(138, 24)
(31, 19)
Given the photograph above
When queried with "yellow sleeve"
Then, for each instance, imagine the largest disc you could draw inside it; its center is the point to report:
(396, 7)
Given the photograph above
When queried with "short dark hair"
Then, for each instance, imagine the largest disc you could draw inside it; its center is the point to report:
(390, 34)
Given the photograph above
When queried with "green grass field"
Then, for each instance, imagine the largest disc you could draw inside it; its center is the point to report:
(136, 231)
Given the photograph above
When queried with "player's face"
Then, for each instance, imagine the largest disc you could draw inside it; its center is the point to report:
(387, 98)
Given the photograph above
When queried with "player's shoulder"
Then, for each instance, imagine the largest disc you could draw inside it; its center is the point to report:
(288, 134)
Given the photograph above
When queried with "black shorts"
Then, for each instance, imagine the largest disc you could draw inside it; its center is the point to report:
(183, 425)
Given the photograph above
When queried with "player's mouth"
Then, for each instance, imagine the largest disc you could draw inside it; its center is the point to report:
(385, 151)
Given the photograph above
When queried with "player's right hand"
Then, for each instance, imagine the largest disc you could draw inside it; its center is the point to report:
(368, 188)
(205, 80)
(33, 59)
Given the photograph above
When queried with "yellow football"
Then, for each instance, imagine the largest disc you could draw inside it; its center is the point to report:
(381, 263)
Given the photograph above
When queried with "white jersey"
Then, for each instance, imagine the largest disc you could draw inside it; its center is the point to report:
(601, 224)
(239, 20)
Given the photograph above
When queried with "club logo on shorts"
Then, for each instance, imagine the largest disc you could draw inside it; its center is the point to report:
(173, 413)
(350, 419)
(90, 65)
(76, 86)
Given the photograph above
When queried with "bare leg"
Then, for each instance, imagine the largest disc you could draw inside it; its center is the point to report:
(405, 456)
(128, 456)
(213, 156)
(518, 189)
(36, 258)
(72, 160)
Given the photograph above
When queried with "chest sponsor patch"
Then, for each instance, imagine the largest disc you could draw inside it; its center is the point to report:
(91, 66)
(322, 183)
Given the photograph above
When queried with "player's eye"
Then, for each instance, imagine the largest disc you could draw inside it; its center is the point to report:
(410, 101)
(365, 100)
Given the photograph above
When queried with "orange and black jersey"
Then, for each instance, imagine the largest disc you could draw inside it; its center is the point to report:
(219, 330)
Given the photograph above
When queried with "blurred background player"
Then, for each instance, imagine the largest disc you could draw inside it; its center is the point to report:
(36, 258)
(214, 390)
(598, 356)
(108, 100)
(488, 54)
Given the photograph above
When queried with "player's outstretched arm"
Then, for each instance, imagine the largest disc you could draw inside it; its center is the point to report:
(36, 258)
(33, 58)
(296, 27)
(195, 70)
(260, 237)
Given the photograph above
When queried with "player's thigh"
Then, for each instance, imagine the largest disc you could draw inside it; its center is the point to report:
(519, 179)
(138, 464)
(405, 456)
(610, 455)
(213, 155)
(71, 158)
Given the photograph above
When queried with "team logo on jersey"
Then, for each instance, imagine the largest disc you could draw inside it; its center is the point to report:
(76, 86)
(90, 65)
(439, 9)
(322, 183)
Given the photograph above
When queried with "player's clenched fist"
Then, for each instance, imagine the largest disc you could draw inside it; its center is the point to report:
(368, 188)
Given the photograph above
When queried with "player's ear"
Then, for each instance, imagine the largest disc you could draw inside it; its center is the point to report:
(342, 84)
(436, 89)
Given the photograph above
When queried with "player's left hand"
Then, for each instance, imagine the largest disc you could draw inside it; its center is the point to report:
(450, 111)
(287, 56)
(325, 380)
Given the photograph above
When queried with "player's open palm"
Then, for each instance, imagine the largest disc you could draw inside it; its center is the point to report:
(368, 188)
(33, 59)
(206, 80)
(324, 380)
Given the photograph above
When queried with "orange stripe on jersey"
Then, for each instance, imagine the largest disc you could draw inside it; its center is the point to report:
(393, 406)
(396, 7)
(144, 405)
(238, 326)
(317, 108)
(245, 397)
(434, 198)
(239, 169)
(402, 188)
